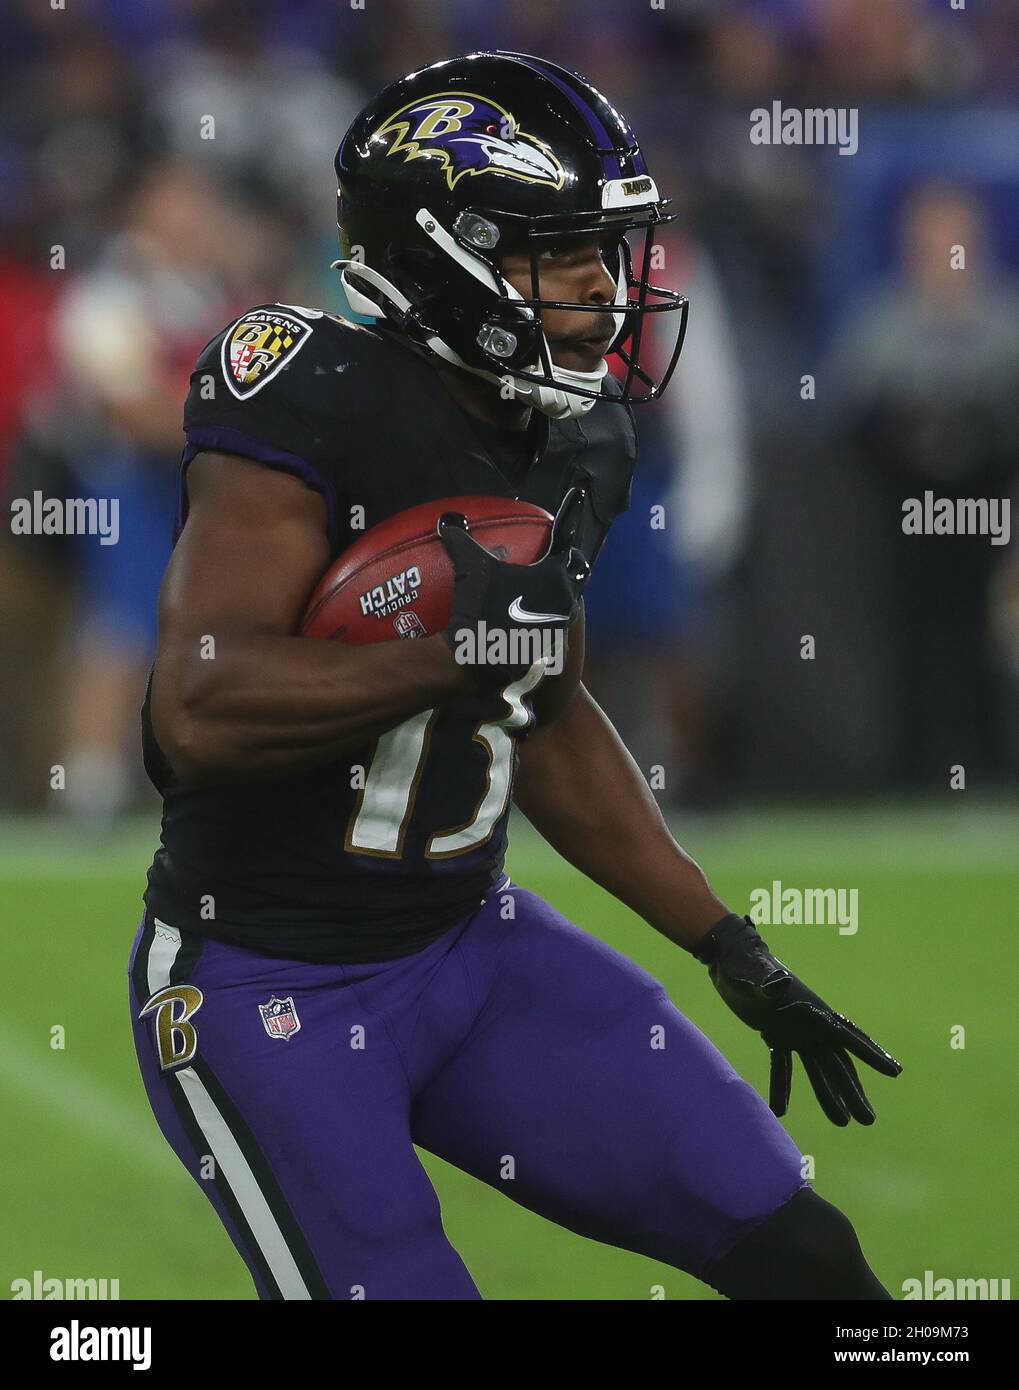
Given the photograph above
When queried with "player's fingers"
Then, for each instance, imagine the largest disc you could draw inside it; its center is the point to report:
(456, 537)
(840, 1064)
(781, 1080)
(856, 1041)
(567, 520)
(827, 1097)
(452, 520)
(577, 567)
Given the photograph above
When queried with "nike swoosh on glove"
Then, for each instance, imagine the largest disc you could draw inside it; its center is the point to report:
(792, 1018)
(543, 597)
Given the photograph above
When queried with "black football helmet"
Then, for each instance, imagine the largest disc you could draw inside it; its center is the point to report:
(470, 159)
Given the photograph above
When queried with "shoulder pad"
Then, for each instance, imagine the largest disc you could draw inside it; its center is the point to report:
(265, 343)
(287, 376)
(261, 343)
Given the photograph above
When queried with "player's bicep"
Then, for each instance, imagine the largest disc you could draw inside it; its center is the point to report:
(252, 550)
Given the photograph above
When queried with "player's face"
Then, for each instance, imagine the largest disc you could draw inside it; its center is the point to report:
(574, 270)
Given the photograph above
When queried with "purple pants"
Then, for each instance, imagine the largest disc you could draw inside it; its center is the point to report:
(516, 1046)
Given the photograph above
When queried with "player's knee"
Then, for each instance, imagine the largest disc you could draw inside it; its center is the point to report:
(817, 1235)
(808, 1249)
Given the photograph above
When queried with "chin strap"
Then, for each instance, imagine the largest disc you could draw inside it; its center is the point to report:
(556, 404)
(561, 405)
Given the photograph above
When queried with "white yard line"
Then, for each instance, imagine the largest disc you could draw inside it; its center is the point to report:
(55, 1086)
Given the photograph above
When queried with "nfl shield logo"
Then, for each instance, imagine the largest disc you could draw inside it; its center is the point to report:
(408, 624)
(279, 1018)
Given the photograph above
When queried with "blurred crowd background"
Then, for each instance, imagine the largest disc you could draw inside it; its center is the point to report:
(127, 240)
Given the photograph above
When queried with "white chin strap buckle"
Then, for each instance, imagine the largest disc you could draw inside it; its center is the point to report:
(561, 404)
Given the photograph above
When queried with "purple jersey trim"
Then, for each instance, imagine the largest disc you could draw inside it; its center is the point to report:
(230, 441)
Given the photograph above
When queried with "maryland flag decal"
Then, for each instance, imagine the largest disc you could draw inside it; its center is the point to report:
(257, 347)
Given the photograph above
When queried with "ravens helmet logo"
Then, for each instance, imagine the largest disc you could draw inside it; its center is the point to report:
(471, 135)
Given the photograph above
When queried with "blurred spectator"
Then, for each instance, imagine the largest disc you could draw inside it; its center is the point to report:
(655, 605)
(277, 112)
(768, 534)
(926, 371)
(128, 334)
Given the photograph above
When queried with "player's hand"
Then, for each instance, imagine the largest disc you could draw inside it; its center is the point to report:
(543, 598)
(792, 1018)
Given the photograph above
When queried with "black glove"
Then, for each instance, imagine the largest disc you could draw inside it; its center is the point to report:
(507, 598)
(791, 1018)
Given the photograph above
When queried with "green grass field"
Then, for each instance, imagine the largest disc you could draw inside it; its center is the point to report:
(90, 1188)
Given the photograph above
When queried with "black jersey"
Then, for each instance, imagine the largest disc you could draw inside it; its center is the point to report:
(371, 856)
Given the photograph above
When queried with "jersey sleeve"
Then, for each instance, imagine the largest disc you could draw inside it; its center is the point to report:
(257, 392)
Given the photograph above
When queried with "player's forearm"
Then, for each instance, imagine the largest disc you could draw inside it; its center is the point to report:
(580, 788)
(268, 704)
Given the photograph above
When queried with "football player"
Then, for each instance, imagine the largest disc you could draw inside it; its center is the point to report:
(332, 965)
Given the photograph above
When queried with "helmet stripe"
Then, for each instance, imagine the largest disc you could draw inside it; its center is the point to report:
(603, 140)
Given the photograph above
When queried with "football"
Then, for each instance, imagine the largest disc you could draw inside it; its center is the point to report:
(396, 581)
